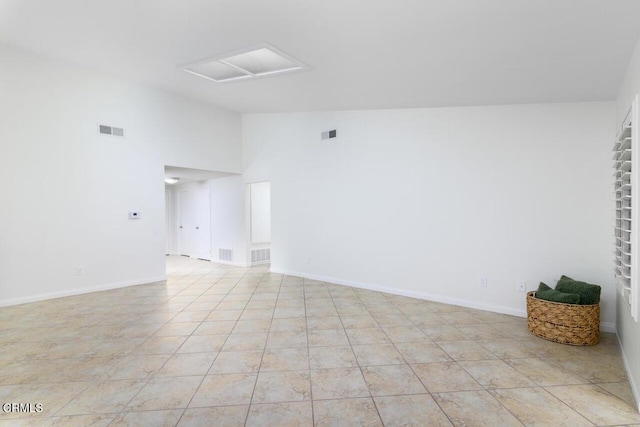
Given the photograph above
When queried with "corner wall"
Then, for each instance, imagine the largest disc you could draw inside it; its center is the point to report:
(228, 223)
(67, 190)
(424, 202)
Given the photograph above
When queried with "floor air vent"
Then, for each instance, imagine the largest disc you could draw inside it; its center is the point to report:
(260, 256)
(225, 254)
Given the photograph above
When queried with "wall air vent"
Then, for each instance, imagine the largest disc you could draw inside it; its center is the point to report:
(110, 130)
(330, 134)
(260, 256)
(225, 254)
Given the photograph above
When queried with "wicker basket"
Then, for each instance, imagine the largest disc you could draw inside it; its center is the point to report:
(563, 323)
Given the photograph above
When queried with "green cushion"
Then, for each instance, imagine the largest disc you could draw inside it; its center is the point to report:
(589, 294)
(546, 293)
(543, 287)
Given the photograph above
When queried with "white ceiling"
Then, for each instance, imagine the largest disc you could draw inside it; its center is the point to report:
(362, 53)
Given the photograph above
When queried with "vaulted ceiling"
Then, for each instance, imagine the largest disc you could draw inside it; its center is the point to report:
(362, 54)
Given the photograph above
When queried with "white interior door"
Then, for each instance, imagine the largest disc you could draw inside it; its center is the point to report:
(185, 223)
(202, 223)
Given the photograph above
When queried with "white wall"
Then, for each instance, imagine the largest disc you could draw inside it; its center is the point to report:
(260, 212)
(228, 217)
(67, 190)
(628, 329)
(424, 202)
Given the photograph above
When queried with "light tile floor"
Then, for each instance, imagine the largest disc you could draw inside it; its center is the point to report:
(217, 345)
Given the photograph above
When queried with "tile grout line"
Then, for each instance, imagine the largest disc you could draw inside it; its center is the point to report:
(264, 349)
(375, 405)
(152, 375)
(146, 380)
(411, 367)
(306, 322)
(201, 322)
(114, 328)
(217, 353)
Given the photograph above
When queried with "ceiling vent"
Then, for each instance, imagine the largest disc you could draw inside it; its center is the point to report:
(110, 130)
(257, 61)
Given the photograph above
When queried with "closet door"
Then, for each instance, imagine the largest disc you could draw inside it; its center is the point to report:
(167, 220)
(194, 222)
(202, 223)
(185, 223)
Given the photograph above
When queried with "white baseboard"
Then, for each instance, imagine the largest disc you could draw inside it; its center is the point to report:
(420, 295)
(608, 327)
(604, 326)
(635, 388)
(79, 291)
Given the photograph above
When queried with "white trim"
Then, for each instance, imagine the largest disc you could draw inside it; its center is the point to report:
(608, 327)
(420, 295)
(604, 326)
(635, 388)
(79, 291)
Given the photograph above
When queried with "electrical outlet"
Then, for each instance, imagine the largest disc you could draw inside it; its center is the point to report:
(521, 286)
(483, 281)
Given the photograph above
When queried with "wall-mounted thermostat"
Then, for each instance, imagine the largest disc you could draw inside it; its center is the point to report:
(134, 215)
